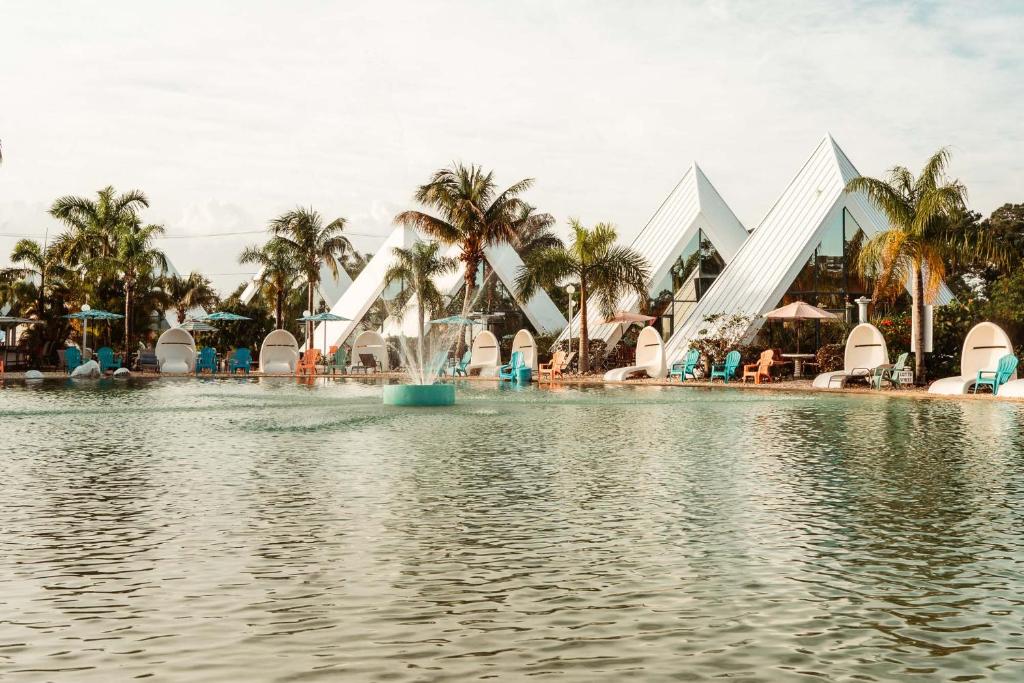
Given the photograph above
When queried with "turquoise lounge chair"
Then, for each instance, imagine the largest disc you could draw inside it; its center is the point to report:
(241, 360)
(884, 374)
(511, 370)
(460, 369)
(687, 367)
(726, 370)
(207, 360)
(1002, 374)
(338, 361)
(72, 359)
(107, 360)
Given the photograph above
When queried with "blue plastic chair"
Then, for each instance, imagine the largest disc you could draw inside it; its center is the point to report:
(241, 360)
(72, 358)
(207, 360)
(726, 370)
(460, 369)
(106, 358)
(511, 370)
(687, 367)
(1002, 374)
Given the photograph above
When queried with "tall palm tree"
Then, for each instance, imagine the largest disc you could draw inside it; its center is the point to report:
(32, 258)
(604, 270)
(134, 259)
(93, 224)
(311, 244)
(278, 274)
(418, 267)
(472, 213)
(186, 293)
(531, 231)
(924, 236)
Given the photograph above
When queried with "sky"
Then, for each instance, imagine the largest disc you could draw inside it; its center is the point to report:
(229, 113)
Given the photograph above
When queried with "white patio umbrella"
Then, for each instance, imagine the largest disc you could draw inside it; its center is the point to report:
(800, 310)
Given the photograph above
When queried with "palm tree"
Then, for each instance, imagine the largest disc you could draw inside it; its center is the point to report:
(133, 260)
(277, 276)
(471, 213)
(604, 270)
(924, 236)
(32, 258)
(311, 244)
(418, 267)
(93, 225)
(186, 293)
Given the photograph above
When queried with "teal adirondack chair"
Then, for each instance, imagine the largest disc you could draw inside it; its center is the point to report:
(207, 360)
(889, 374)
(726, 370)
(241, 360)
(72, 359)
(460, 369)
(515, 363)
(106, 358)
(338, 361)
(1002, 374)
(687, 367)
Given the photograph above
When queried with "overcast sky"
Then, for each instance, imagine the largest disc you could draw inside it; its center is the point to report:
(229, 113)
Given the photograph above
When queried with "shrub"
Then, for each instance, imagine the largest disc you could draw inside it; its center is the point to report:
(720, 334)
(830, 357)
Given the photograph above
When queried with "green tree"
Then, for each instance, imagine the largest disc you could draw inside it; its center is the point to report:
(134, 260)
(30, 258)
(311, 244)
(418, 267)
(603, 270)
(925, 235)
(277, 276)
(93, 225)
(472, 214)
(186, 293)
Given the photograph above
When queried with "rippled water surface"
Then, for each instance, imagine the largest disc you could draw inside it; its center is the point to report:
(265, 530)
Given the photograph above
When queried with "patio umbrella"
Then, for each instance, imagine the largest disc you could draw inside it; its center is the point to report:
(627, 318)
(197, 326)
(324, 317)
(800, 310)
(91, 314)
(457, 320)
(223, 316)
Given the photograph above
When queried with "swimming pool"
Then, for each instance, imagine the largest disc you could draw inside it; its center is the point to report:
(269, 530)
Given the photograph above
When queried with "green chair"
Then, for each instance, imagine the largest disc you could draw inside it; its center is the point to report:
(107, 360)
(460, 369)
(726, 370)
(1002, 374)
(207, 360)
(889, 374)
(72, 359)
(240, 360)
(687, 367)
(338, 361)
(511, 370)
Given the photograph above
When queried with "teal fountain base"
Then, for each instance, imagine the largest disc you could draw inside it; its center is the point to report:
(419, 394)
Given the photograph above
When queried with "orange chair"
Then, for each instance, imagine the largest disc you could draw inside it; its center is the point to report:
(308, 363)
(761, 369)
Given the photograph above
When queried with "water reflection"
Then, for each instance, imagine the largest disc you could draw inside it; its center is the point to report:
(278, 530)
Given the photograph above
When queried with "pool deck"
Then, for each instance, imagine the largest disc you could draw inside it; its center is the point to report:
(798, 385)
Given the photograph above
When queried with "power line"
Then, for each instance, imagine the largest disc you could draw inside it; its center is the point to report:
(198, 236)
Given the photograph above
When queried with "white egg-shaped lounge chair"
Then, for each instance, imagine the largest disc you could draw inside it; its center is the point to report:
(279, 354)
(485, 358)
(650, 358)
(176, 352)
(524, 343)
(984, 345)
(372, 343)
(865, 351)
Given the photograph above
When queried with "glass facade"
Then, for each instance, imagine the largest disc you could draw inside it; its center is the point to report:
(689, 278)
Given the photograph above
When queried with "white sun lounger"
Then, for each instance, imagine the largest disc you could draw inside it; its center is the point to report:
(865, 351)
(984, 345)
(279, 354)
(650, 358)
(486, 355)
(176, 352)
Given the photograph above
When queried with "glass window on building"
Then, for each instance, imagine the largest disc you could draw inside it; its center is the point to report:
(688, 280)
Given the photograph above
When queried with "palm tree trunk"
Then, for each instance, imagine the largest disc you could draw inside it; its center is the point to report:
(419, 343)
(127, 317)
(311, 286)
(278, 309)
(469, 278)
(584, 331)
(917, 295)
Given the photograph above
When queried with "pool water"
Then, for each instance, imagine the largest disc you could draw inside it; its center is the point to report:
(270, 530)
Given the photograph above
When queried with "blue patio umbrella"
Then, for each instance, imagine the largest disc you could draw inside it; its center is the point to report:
(223, 316)
(325, 317)
(87, 314)
(453, 320)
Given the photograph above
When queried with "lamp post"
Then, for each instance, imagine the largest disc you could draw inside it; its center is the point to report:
(570, 290)
(309, 328)
(85, 328)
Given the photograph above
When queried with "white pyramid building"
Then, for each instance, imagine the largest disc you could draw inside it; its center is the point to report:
(761, 272)
(369, 286)
(693, 205)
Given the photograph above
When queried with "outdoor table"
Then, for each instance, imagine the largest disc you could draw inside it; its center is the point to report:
(798, 362)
